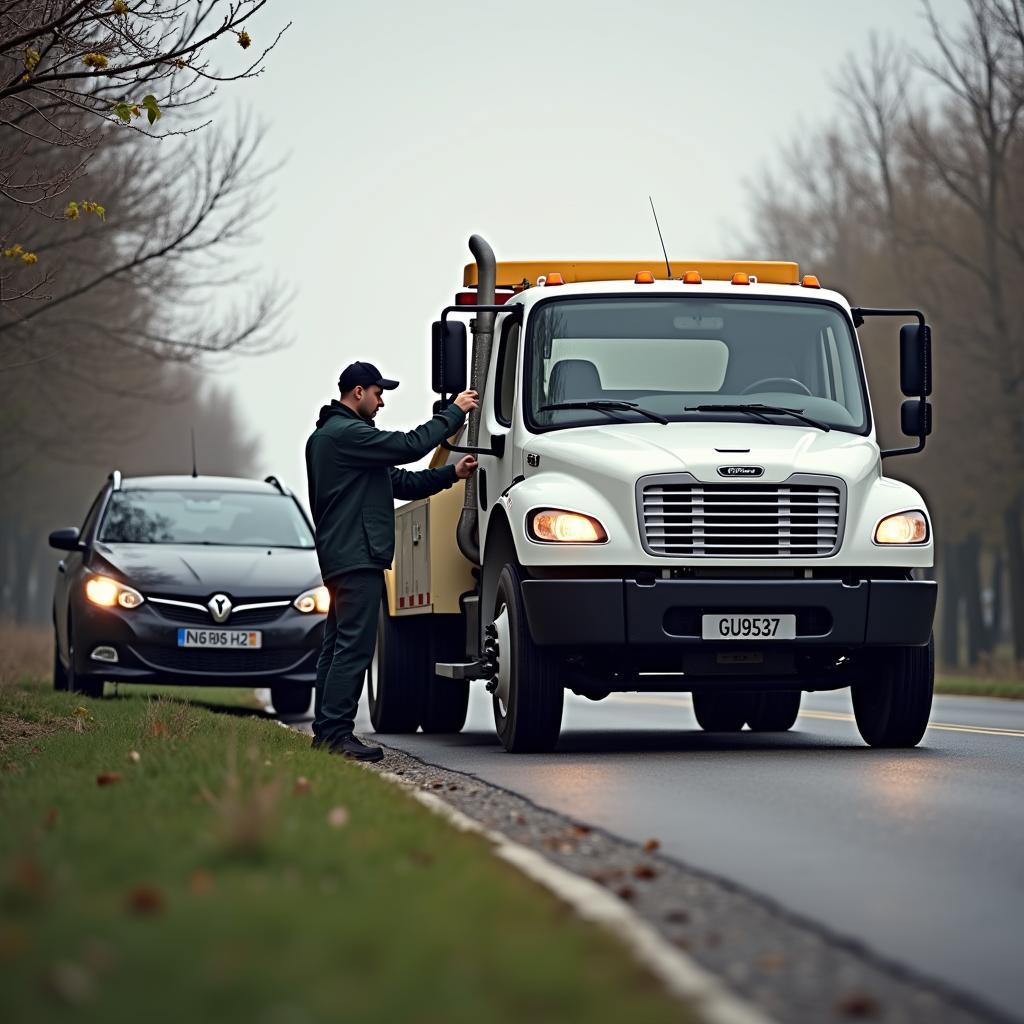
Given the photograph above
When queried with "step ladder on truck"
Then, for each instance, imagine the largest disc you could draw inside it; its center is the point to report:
(680, 489)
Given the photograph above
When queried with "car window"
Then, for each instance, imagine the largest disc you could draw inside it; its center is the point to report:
(90, 516)
(234, 518)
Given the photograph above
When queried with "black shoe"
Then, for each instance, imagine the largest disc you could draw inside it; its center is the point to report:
(316, 744)
(356, 749)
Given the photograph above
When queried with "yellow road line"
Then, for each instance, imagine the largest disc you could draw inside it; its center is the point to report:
(827, 716)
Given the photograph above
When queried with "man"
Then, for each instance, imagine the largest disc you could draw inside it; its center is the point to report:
(350, 465)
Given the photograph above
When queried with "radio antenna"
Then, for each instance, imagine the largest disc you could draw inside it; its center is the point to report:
(668, 266)
(195, 472)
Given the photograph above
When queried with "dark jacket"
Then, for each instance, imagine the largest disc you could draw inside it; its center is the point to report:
(353, 483)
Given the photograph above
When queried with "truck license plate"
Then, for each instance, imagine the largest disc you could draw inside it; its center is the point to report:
(232, 638)
(748, 626)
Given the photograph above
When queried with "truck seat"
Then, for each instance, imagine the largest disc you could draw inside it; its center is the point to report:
(574, 380)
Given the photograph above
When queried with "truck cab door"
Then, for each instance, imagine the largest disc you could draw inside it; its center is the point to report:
(497, 415)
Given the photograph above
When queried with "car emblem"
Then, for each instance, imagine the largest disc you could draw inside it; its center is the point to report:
(741, 471)
(220, 607)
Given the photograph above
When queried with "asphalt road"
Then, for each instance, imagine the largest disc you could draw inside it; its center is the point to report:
(918, 855)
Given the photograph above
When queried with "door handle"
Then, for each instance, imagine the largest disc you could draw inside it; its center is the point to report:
(61, 567)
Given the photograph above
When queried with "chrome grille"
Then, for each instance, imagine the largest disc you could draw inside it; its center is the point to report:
(740, 520)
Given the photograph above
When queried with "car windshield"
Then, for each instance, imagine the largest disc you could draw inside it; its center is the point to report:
(231, 518)
(669, 355)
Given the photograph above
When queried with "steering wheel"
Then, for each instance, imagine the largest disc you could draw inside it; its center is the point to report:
(796, 386)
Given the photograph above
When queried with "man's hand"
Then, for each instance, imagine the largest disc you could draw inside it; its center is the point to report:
(465, 467)
(467, 402)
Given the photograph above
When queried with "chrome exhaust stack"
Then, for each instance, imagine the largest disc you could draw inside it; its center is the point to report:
(482, 326)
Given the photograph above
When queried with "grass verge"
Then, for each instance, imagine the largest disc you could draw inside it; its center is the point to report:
(161, 862)
(980, 686)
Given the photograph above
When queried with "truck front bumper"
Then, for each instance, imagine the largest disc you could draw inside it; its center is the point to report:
(626, 612)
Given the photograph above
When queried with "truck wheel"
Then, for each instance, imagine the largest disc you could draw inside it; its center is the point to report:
(892, 704)
(291, 700)
(529, 693)
(445, 701)
(397, 676)
(720, 712)
(774, 710)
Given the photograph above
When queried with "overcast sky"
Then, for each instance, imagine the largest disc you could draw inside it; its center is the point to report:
(543, 126)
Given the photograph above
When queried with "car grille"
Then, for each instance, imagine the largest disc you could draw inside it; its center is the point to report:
(201, 617)
(740, 520)
(216, 662)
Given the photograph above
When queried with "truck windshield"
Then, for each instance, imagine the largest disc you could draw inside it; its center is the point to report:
(234, 518)
(669, 355)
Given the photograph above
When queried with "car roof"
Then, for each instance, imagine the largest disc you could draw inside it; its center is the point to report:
(198, 483)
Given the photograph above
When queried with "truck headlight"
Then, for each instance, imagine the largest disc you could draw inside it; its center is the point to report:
(316, 600)
(554, 525)
(902, 528)
(107, 592)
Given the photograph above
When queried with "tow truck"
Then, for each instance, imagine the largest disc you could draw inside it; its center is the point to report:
(680, 488)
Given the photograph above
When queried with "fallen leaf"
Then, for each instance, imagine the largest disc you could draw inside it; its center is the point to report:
(771, 962)
(580, 830)
(437, 785)
(453, 785)
(201, 881)
(651, 845)
(145, 899)
(134, 756)
(108, 778)
(858, 1004)
(626, 892)
(645, 871)
(13, 942)
(302, 786)
(338, 817)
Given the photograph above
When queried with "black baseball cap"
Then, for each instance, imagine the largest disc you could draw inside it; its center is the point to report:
(363, 374)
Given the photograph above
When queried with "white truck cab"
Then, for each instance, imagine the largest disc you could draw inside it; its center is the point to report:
(680, 488)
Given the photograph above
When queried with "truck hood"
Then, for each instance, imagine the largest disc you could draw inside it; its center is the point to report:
(632, 450)
(179, 570)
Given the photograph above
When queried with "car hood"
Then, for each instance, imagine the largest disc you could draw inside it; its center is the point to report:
(629, 451)
(195, 570)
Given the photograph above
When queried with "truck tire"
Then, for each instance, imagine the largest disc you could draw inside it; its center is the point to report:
(893, 702)
(531, 718)
(717, 711)
(291, 700)
(445, 701)
(773, 710)
(397, 676)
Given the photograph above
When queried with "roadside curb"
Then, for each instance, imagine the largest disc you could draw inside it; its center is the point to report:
(682, 977)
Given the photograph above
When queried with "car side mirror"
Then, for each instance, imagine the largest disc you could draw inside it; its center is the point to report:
(916, 360)
(67, 539)
(916, 417)
(448, 357)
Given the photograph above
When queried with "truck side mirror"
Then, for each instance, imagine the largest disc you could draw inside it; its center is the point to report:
(915, 362)
(448, 357)
(66, 539)
(916, 418)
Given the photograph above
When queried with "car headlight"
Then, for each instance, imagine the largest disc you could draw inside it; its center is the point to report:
(316, 600)
(554, 525)
(107, 592)
(902, 528)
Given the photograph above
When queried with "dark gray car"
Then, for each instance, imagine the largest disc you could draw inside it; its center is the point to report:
(190, 580)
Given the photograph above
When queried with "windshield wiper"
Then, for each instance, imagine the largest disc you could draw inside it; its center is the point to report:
(760, 410)
(607, 405)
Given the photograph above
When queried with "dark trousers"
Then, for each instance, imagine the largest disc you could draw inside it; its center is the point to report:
(350, 635)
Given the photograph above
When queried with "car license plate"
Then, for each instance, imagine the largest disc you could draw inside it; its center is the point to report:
(748, 626)
(232, 638)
